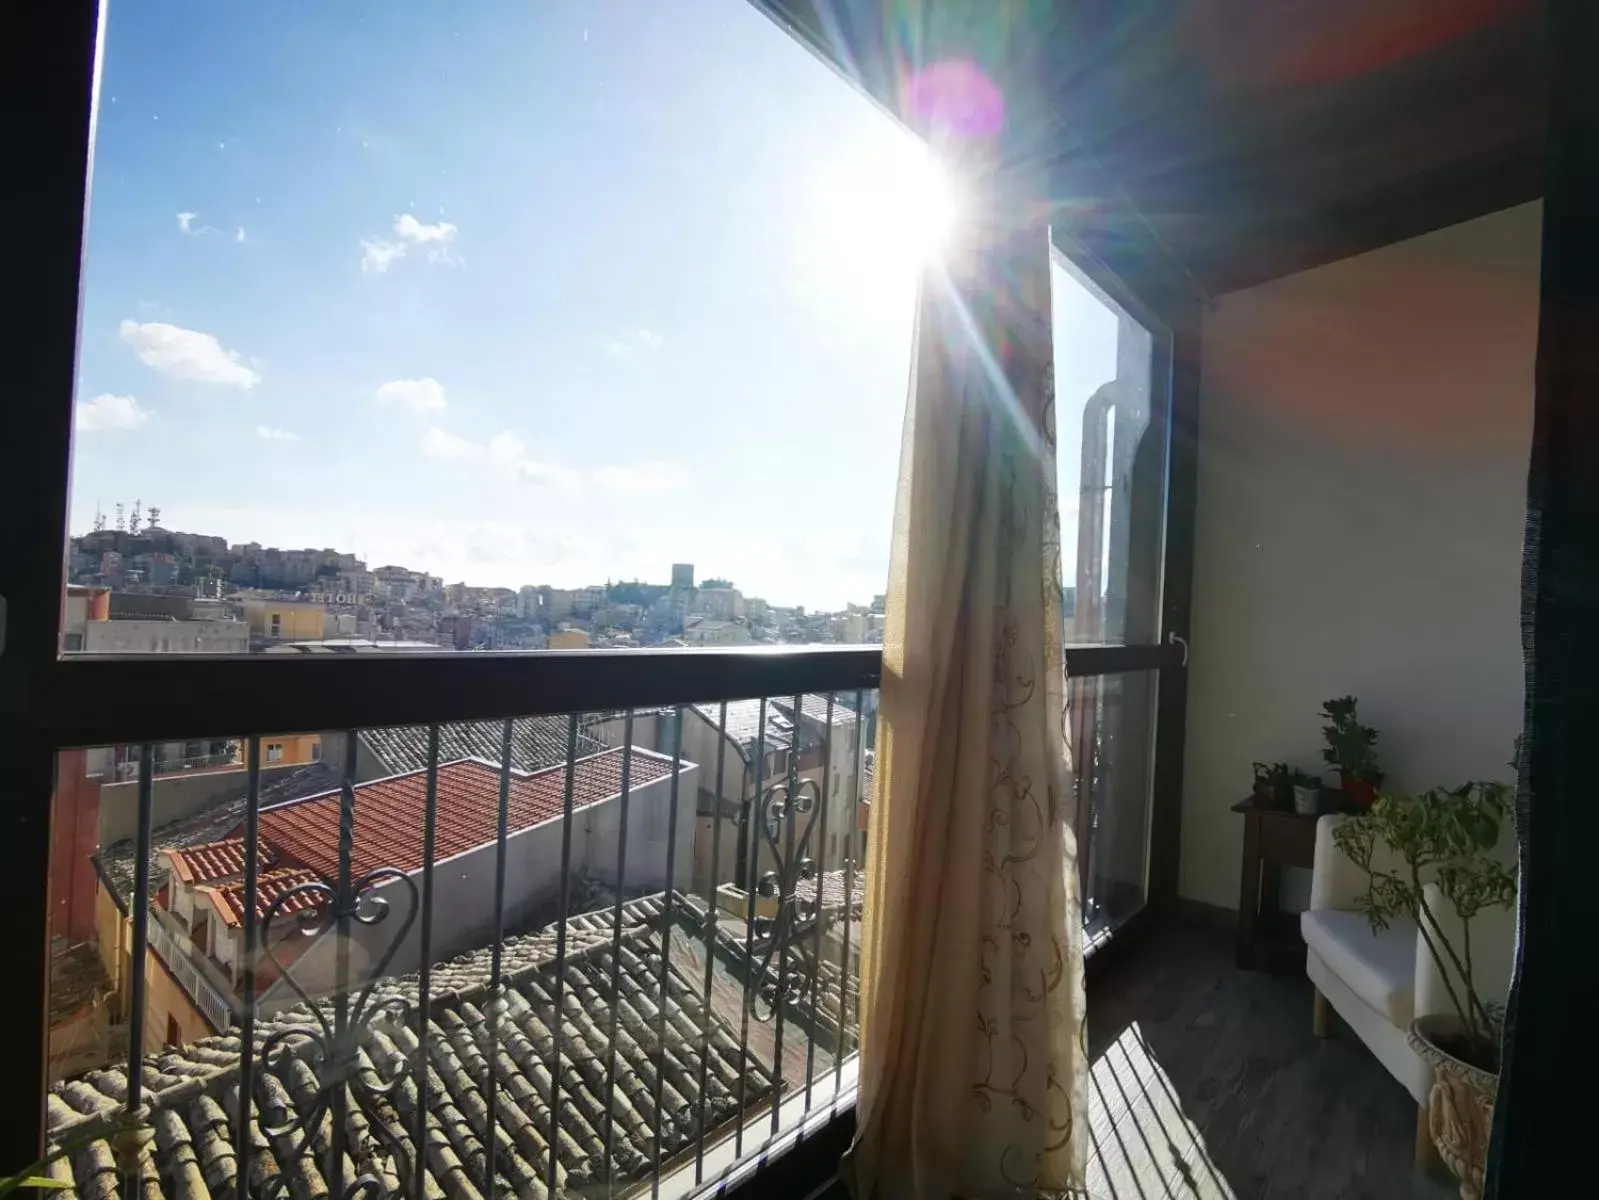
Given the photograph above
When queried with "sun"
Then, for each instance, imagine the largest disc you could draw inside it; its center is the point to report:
(878, 218)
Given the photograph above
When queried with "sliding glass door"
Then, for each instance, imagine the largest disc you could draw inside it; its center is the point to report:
(1112, 408)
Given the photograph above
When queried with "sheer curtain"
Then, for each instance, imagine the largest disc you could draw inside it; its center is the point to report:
(973, 1064)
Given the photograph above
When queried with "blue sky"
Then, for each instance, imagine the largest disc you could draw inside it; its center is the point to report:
(511, 291)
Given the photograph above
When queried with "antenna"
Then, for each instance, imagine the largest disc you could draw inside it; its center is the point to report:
(133, 521)
(122, 522)
(99, 518)
(155, 518)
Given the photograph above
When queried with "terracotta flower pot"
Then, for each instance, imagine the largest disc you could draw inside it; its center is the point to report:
(1360, 792)
(1460, 1107)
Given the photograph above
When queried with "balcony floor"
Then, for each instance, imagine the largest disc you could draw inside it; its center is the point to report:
(1207, 1082)
(1209, 1085)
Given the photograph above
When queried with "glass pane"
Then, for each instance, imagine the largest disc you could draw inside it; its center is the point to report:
(443, 326)
(1111, 719)
(1111, 457)
(645, 924)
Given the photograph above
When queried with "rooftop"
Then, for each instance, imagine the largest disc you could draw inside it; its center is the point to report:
(192, 1090)
(391, 811)
(744, 718)
(536, 742)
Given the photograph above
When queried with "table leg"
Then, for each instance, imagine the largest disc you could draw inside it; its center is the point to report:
(1249, 894)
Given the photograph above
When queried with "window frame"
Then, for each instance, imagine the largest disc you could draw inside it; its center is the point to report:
(48, 702)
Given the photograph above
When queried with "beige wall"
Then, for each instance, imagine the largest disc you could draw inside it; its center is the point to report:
(1364, 433)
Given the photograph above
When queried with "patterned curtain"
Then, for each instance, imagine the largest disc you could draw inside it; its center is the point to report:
(973, 1063)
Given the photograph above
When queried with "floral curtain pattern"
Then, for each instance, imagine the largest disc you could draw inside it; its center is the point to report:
(973, 1066)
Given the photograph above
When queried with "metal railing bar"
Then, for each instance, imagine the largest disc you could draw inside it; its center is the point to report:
(712, 925)
(849, 903)
(424, 990)
(559, 1019)
(341, 980)
(790, 869)
(502, 833)
(750, 836)
(138, 990)
(820, 859)
(92, 700)
(614, 1011)
(1083, 661)
(666, 951)
(252, 880)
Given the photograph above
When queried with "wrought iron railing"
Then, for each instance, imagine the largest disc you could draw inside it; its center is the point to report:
(498, 976)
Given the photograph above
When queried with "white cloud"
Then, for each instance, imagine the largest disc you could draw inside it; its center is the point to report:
(186, 222)
(377, 255)
(276, 435)
(643, 477)
(110, 412)
(505, 447)
(419, 395)
(187, 354)
(640, 341)
(412, 230)
(507, 452)
(238, 234)
(436, 443)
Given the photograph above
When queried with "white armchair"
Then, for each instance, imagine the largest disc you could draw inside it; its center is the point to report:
(1380, 982)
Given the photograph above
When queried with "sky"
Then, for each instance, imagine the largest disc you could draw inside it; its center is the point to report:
(515, 291)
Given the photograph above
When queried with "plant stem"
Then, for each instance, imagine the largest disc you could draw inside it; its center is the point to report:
(1462, 1011)
(1475, 1008)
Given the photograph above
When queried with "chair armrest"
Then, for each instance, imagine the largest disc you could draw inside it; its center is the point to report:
(1335, 882)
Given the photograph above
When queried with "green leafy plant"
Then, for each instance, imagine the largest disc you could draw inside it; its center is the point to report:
(33, 1178)
(1445, 836)
(1351, 746)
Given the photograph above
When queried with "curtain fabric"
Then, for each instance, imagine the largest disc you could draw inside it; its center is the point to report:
(973, 1063)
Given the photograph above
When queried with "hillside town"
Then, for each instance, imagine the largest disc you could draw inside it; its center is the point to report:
(138, 587)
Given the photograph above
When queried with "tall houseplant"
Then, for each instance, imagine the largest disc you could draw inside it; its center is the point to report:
(1444, 837)
(1352, 749)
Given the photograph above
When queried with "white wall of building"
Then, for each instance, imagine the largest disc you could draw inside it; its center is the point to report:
(1363, 446)
(166, 637)
(463, 907)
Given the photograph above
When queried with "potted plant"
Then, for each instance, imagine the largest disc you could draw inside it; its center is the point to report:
(1352, 749)
(1274, 784)
(1445, 837)
(1307, 792)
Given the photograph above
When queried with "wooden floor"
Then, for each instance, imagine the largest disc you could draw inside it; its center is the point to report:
(1207, 1082)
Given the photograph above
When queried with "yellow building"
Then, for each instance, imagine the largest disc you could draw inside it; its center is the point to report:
(284, 750)
(285, 620)
(569, 639)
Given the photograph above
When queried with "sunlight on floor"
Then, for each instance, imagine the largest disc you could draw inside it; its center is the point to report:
(1142, 1147)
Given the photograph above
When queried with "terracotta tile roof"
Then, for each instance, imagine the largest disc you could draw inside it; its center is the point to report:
(192, 1090)
(536, 743)
(389, 812)
(209, 860)
(216, 821)
(271, 885)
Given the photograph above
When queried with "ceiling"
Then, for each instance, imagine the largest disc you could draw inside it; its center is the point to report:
(1253, 137)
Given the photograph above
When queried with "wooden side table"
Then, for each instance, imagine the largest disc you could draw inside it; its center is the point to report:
(1274, 838)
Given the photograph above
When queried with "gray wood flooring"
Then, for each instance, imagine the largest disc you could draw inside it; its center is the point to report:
(1208, 1083)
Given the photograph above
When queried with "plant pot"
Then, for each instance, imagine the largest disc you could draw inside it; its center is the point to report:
(1460, 1107)
(1307, 800)
(1360, 793)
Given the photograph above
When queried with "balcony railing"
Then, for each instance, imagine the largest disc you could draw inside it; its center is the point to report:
(175, 952)
(497, 975)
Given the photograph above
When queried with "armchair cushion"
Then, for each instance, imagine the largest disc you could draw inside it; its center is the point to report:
(1379, 968)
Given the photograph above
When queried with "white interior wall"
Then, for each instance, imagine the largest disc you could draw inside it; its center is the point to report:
(1363, 445)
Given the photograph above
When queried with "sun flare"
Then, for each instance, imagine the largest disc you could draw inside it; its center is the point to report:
(885, 216)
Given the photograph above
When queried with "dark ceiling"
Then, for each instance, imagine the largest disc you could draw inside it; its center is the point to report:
(1254, 137)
